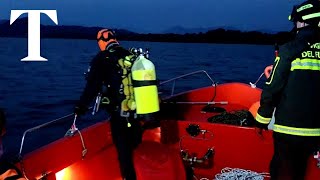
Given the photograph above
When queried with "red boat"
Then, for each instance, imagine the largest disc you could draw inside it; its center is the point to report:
(184, 144)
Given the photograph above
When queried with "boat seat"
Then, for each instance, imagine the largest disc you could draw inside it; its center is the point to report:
(156, 161)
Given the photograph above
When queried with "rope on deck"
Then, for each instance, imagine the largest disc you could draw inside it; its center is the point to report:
(237, 118)
(238, 174)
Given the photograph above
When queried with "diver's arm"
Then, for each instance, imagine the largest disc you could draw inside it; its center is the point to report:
(94, 81)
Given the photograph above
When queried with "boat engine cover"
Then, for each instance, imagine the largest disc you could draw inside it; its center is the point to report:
(156, 161)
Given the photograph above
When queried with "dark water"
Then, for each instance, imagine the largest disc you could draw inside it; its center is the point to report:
(33, 93)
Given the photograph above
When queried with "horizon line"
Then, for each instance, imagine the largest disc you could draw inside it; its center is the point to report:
(164, 31)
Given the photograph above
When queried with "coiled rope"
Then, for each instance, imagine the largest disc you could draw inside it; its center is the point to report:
(238, 174)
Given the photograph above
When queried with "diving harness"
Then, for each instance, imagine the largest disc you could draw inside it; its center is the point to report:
(139, 85)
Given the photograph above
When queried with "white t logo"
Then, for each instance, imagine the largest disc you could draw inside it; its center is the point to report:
(34, 30)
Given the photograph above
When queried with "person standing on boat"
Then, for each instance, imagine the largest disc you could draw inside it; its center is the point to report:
(105, 71)
(7, 170)
(294, 90)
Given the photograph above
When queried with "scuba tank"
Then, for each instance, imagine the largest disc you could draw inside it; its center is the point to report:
(145, 85)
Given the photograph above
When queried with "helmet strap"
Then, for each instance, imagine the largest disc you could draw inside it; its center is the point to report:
(112, 45)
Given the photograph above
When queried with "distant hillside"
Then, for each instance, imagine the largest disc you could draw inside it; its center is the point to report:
(183, 30)
(20, 29)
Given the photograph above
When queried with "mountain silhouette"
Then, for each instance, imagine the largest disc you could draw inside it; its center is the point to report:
(184, 30)
(19, 28)
(178, 34)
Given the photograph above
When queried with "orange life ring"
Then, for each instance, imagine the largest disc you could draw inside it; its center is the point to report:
(267, 71)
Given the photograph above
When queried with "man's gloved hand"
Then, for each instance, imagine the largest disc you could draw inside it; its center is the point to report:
(80, 109)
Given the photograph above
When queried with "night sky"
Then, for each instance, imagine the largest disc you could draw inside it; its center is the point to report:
(159, 15)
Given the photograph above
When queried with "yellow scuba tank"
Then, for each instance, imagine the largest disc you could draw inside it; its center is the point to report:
(145, 86)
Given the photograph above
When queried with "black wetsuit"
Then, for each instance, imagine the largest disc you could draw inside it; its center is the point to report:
(105, 71)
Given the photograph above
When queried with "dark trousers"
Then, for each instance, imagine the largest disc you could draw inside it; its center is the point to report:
(291, 154)
(126, 139)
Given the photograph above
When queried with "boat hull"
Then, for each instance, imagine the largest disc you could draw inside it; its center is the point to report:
(160, 152)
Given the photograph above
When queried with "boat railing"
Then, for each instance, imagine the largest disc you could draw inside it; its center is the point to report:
(173, 80)
(69, 115)
(40, 127)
